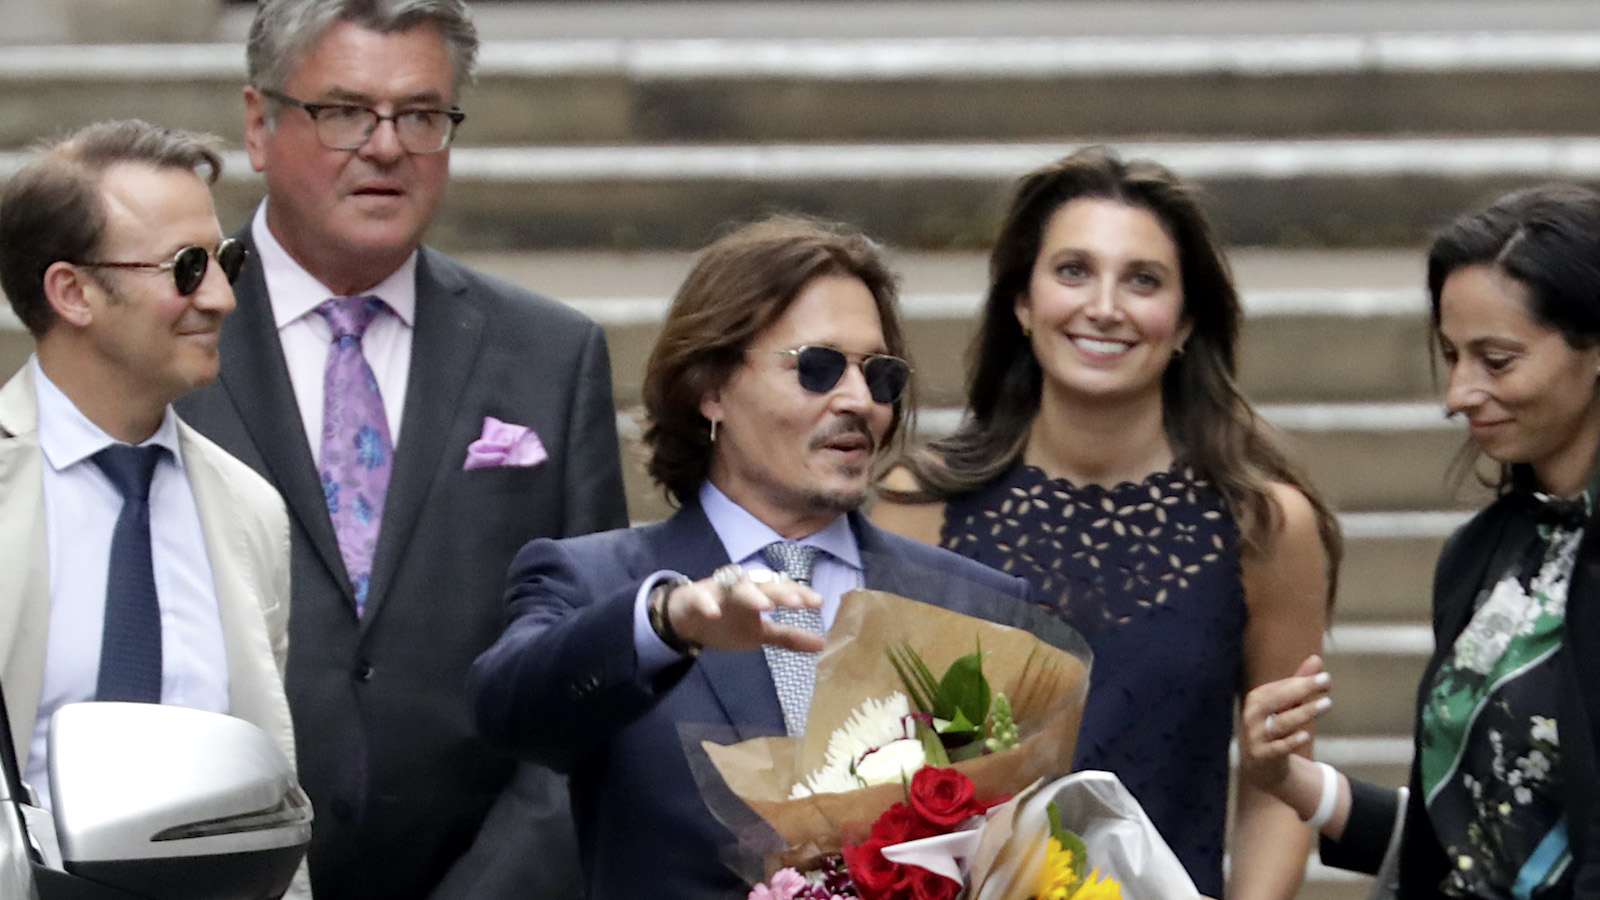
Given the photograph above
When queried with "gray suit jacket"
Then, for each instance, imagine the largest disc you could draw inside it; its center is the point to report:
(247, 542)
(401, 785)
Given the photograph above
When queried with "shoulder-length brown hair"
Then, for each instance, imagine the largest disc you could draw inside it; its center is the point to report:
(1208, 421)
(739, 287)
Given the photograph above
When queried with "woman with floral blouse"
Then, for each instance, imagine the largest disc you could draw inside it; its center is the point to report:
(1504, 792)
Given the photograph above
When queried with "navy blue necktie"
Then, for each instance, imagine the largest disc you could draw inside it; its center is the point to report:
(130, 647)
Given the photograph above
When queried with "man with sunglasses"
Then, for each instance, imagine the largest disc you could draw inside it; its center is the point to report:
(422, 421)
(143, 562)
(777, 382)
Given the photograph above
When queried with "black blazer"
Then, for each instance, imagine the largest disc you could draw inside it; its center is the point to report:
(562, 687)
(387, 752)
(1472, 556)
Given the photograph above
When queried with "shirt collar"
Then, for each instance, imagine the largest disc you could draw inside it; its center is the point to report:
(68, 437)
(295, 293)
(743, 535)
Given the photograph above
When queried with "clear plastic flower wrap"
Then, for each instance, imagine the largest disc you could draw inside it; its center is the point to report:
(1041, 667)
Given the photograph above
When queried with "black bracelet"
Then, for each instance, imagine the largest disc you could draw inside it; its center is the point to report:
(661, 623)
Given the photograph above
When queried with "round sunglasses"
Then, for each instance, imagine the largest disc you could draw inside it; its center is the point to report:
(188, 267)
(820, 368)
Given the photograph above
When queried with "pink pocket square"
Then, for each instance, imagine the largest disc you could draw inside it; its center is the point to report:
(504, 444)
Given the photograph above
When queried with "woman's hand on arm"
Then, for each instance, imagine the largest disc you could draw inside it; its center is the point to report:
(1286, 594)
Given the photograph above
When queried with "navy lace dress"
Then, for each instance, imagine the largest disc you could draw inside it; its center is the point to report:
(1149, 573)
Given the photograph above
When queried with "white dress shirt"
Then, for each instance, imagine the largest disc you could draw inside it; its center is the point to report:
(295, 295)
(81, 507)
(835, 572)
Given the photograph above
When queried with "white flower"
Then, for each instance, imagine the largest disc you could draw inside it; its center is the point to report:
(891, 763)
(1544, 730)
(1524, 796)
(874, 724)
(1535, 765)
(1485, 640)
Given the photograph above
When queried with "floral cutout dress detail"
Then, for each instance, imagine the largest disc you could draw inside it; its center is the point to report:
(1149, 573)
(1490, 748)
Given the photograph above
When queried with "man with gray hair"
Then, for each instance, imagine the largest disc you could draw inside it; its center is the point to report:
(422, 421)
(143, 563)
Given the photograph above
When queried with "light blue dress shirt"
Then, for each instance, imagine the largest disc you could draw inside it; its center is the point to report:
(81, 507)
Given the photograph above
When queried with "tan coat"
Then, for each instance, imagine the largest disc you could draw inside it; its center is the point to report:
(247, 539)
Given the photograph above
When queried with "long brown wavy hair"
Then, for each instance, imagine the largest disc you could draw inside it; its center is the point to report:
(1210, 424)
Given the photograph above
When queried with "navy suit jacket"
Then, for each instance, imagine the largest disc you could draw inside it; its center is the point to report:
(407, 798)
(563, 687)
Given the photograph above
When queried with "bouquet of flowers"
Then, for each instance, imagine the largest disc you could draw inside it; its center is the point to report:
(1022, 849)
(891, 751)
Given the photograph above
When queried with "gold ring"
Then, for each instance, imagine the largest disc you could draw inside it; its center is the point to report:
(727, 577)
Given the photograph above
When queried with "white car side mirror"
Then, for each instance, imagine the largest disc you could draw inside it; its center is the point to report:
(164, 801)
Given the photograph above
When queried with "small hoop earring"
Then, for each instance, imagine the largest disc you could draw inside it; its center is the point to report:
(713, 431)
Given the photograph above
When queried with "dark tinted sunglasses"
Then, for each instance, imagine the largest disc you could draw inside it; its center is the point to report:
(820, 368)
(189, 266)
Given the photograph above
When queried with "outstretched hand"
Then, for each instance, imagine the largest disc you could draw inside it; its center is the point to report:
(1277, 719)
(702, 612)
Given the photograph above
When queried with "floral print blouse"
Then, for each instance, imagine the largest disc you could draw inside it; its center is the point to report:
(1490, 748)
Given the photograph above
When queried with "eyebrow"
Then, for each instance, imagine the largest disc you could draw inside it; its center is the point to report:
(340, 95)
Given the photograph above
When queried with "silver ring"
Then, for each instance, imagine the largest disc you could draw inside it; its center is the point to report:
(760, 576)
(727, 577)
(1271, 724)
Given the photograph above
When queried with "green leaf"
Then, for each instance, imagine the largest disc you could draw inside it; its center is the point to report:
(932, 748)
(959, 725)
(920, 685)
(1069, 841)
(965, 689)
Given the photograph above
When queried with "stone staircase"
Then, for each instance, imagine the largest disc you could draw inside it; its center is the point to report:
(605, 139)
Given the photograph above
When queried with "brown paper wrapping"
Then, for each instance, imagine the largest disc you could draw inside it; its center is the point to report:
(1045, 684)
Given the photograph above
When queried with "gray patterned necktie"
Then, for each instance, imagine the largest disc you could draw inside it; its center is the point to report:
(793, 674)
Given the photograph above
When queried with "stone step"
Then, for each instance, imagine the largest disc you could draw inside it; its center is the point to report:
(1335, 192)
(1320, 326)
(1024, 86)
(1311, 345)
(1370, 457)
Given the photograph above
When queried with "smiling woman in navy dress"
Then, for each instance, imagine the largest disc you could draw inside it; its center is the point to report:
(1107, 457)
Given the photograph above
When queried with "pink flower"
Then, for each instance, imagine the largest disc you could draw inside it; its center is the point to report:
(785, 885)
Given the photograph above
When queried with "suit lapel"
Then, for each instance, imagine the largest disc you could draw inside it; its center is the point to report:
(444, 344)
(740, 682)
(25, 592)
(252, 666)
(880, 570)
(257, 381)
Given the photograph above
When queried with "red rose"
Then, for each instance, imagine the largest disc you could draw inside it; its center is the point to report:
(876, 878)
(926, 885)
(944, 797)
(901, 823)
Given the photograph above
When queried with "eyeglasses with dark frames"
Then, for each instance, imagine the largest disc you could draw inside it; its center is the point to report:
(188, 266)
(819, 370)
(348, 126)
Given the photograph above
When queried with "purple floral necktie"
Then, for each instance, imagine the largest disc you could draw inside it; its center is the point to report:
(356, 450)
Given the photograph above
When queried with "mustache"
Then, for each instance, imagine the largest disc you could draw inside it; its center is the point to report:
(844, 426)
